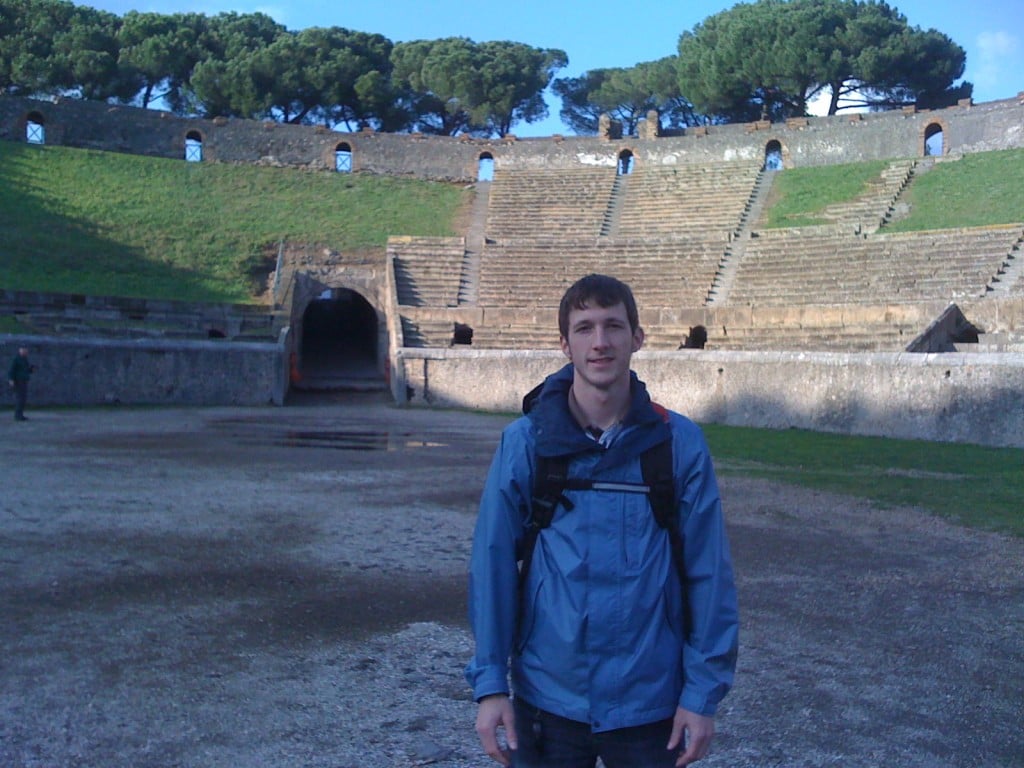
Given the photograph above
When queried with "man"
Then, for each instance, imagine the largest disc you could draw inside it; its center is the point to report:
(615, 653)
(17, 376)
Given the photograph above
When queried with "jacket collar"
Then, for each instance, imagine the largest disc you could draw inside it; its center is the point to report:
(558, 434)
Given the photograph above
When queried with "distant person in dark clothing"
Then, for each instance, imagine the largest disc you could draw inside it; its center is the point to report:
(18, 375)
(697, 338)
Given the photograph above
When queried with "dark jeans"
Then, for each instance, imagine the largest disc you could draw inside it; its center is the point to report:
(550, 741)
(20, 397)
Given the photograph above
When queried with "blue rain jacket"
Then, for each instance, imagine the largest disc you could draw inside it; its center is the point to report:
(610, 636)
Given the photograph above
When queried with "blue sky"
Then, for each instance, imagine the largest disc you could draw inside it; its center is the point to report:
(600, 33)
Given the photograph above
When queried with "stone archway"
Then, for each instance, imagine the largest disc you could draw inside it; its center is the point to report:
(338, 344)
(343, 157)
(485, 167)
(35, 128)
(193, 147)
(626, 162)
(934, 139)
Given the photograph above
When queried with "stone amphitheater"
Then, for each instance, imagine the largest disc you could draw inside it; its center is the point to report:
(838, 327)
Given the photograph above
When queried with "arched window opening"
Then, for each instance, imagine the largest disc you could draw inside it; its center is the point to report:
(35, 129)
(343, 158)
(933, 141)
(625, 163)
(194, 147)
(773, 156)
(485, 167)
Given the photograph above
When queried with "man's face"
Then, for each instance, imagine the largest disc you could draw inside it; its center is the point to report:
(600, 344)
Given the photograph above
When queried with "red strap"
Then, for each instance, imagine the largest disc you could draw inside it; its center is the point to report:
(661, 410)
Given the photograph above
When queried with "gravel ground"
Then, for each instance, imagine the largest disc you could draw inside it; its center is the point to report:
(285, 587)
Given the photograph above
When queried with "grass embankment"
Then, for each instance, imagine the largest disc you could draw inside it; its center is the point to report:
(977, 190)
(103, 223)
(971, 485)
(798, 195)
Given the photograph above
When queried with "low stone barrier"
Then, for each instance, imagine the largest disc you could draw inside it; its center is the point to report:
(80, 371)
(950, 397)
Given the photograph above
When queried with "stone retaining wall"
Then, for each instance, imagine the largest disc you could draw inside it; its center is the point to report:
(806, 141)
(974, 398)
(87, 372)
(971, 398)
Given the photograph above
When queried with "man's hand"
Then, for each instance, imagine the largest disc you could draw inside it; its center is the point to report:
(698, 730)
(496, 711)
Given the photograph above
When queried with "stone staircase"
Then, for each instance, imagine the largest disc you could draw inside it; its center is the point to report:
(469, 280)
(612, 214)
(1009, 278)
(870, 210)
(734, 250)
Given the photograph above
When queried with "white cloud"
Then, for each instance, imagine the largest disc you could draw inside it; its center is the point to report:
(994, 50)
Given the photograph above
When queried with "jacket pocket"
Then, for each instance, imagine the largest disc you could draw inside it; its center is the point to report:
(637, 520)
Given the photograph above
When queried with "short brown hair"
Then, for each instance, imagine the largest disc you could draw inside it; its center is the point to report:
(602, 290)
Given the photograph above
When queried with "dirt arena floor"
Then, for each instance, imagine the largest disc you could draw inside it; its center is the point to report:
(284, 587)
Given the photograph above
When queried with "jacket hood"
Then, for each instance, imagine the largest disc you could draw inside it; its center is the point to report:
(558, 434)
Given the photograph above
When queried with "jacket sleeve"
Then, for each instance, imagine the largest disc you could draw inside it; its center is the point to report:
(710, 649)
(493, 571)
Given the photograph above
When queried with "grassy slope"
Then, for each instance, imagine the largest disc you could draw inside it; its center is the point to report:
(798, 194)
(975, 191)
(104, 223)
(972, 485)
(978, 190)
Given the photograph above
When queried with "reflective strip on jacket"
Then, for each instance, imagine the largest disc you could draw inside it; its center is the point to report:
(608, 636)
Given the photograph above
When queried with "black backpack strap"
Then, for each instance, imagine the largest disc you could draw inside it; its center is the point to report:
(549, 484)
(551, 479)
(656, 466)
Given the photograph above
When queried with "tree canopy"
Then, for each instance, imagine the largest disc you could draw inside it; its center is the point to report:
(247, 65)
(764, 59)
(482, 88)
(774, 56)
(626, 95)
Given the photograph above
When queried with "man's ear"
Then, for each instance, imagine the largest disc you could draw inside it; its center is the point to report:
(638, 338)
(564, 342)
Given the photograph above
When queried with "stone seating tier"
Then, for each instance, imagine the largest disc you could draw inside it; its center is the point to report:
(875, 338)
(673, 227)
(60, 314)
(527, 202)
(670, 338)
(419, 332)
(686, 198)
(666, 273)
(428, 271)
(654, 201)
(792, 268)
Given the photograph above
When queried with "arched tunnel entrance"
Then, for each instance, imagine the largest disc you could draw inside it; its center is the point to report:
(338, 349)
